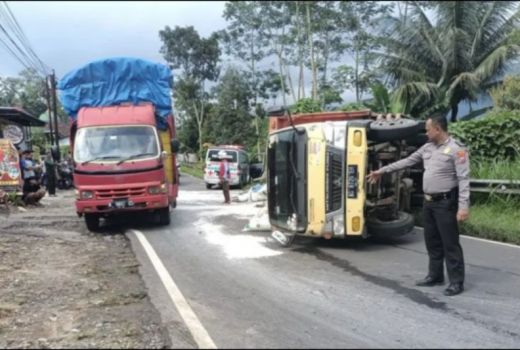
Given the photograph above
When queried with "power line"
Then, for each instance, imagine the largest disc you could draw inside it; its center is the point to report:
(26, 56)
(23, 38)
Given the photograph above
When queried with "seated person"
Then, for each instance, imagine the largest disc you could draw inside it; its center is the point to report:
(32, 191)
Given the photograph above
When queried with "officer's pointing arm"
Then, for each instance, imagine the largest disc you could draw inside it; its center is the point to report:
(412, 159)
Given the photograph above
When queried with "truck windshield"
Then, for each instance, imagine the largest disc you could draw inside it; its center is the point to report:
(115, 143)
(287, 190)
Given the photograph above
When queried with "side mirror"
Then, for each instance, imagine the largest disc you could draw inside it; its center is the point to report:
(54, 153)
(175, 146)
(276, 111)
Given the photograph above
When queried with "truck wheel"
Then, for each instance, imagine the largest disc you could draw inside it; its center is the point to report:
(397, 129)
(394, 228)
(164, 216)
(208, 186)
(92, 221)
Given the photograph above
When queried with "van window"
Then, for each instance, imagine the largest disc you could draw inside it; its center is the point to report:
(243, 157)
(213, 155)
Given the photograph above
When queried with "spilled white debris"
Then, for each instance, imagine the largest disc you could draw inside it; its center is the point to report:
(236, 245)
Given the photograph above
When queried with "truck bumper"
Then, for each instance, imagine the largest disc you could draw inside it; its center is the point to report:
(149, 202)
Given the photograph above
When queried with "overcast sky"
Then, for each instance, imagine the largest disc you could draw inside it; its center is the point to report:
(66, 35)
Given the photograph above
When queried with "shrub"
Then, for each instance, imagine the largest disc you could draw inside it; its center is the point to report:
(507, 95)
(495, 136)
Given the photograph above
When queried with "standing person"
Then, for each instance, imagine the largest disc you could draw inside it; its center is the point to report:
(223, 175)
(446, 201)
(50, 170)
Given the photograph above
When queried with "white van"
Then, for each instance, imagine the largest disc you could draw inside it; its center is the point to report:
(238, 166)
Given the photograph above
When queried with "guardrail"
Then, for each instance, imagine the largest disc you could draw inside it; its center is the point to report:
(495, 186)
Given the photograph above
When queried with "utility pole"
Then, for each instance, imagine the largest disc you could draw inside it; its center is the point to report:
(55, 110)
(47, 97)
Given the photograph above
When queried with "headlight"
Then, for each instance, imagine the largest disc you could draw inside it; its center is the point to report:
(339, 226)
(157, 189)
(87, 194)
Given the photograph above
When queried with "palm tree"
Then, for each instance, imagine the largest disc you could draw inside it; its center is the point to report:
(436, 61)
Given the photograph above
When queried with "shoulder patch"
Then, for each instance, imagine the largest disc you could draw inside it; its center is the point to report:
(461, 156)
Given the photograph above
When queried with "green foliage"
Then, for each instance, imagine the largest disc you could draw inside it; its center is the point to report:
(495, 169)
(26, 91)
(439, 64)
(15, 199)
(352, 106)
(495, 136)
(507, 95)
(494, 219)
(231, 122)
(306, 105)
(196, 170)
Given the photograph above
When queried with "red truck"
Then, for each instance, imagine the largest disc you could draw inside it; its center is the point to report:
(124, 156)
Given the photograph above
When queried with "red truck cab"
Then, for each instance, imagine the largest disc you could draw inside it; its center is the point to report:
(123, 162)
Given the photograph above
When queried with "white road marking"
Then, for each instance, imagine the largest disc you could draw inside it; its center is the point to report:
(191, 320)
(482, 240)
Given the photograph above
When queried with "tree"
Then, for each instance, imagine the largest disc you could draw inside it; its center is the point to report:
(359, 20)
(197, 60)
(436, 65)
(245, 39)
(233, 124)
(26, 91)
(507, 95)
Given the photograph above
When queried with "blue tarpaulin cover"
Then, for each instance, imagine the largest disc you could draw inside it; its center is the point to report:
(113, 81)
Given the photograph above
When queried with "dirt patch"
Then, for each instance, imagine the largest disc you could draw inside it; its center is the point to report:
(64, 287)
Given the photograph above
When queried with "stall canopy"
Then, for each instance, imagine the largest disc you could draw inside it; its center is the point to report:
(19, 116)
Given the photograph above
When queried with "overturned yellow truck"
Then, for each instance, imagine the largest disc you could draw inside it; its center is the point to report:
(316, 174)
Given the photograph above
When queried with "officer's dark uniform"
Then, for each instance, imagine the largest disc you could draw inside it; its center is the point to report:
(446, 189)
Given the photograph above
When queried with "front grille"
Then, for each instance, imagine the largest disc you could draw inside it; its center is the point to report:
(121, 193)
(334, 182)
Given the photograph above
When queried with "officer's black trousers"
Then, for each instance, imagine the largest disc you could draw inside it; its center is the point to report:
(441, 235)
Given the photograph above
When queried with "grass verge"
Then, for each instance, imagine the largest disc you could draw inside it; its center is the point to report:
(496, 169)
(495, 218)
(195, 169)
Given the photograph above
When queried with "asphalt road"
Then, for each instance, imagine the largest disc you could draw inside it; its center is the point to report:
(248, 292)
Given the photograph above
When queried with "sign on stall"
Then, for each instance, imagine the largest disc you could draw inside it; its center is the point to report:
(10, 178)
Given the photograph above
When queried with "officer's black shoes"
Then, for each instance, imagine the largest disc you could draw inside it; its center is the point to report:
(430, 281)
(454, 289)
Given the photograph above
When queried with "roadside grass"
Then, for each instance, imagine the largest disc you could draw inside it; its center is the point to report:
(495, 217)
(495, 169)
(193, 169)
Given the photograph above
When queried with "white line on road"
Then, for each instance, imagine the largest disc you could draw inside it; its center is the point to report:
(196, 328)
(482, 240)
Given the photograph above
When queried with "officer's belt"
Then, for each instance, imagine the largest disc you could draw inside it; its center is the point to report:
(433, 197)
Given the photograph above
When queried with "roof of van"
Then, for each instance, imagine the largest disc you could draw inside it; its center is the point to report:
(231, 147)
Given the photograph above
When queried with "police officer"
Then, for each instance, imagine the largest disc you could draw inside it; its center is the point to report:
(446, 201)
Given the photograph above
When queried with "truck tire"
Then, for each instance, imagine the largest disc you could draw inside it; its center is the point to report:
(92, 221)
(164, 216)
(403, 225)
(383, 130)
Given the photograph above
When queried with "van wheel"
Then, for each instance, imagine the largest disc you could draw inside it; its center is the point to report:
(208, 186)
(402, 225)
(396, 129)
(92, 221)
(164, 216)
